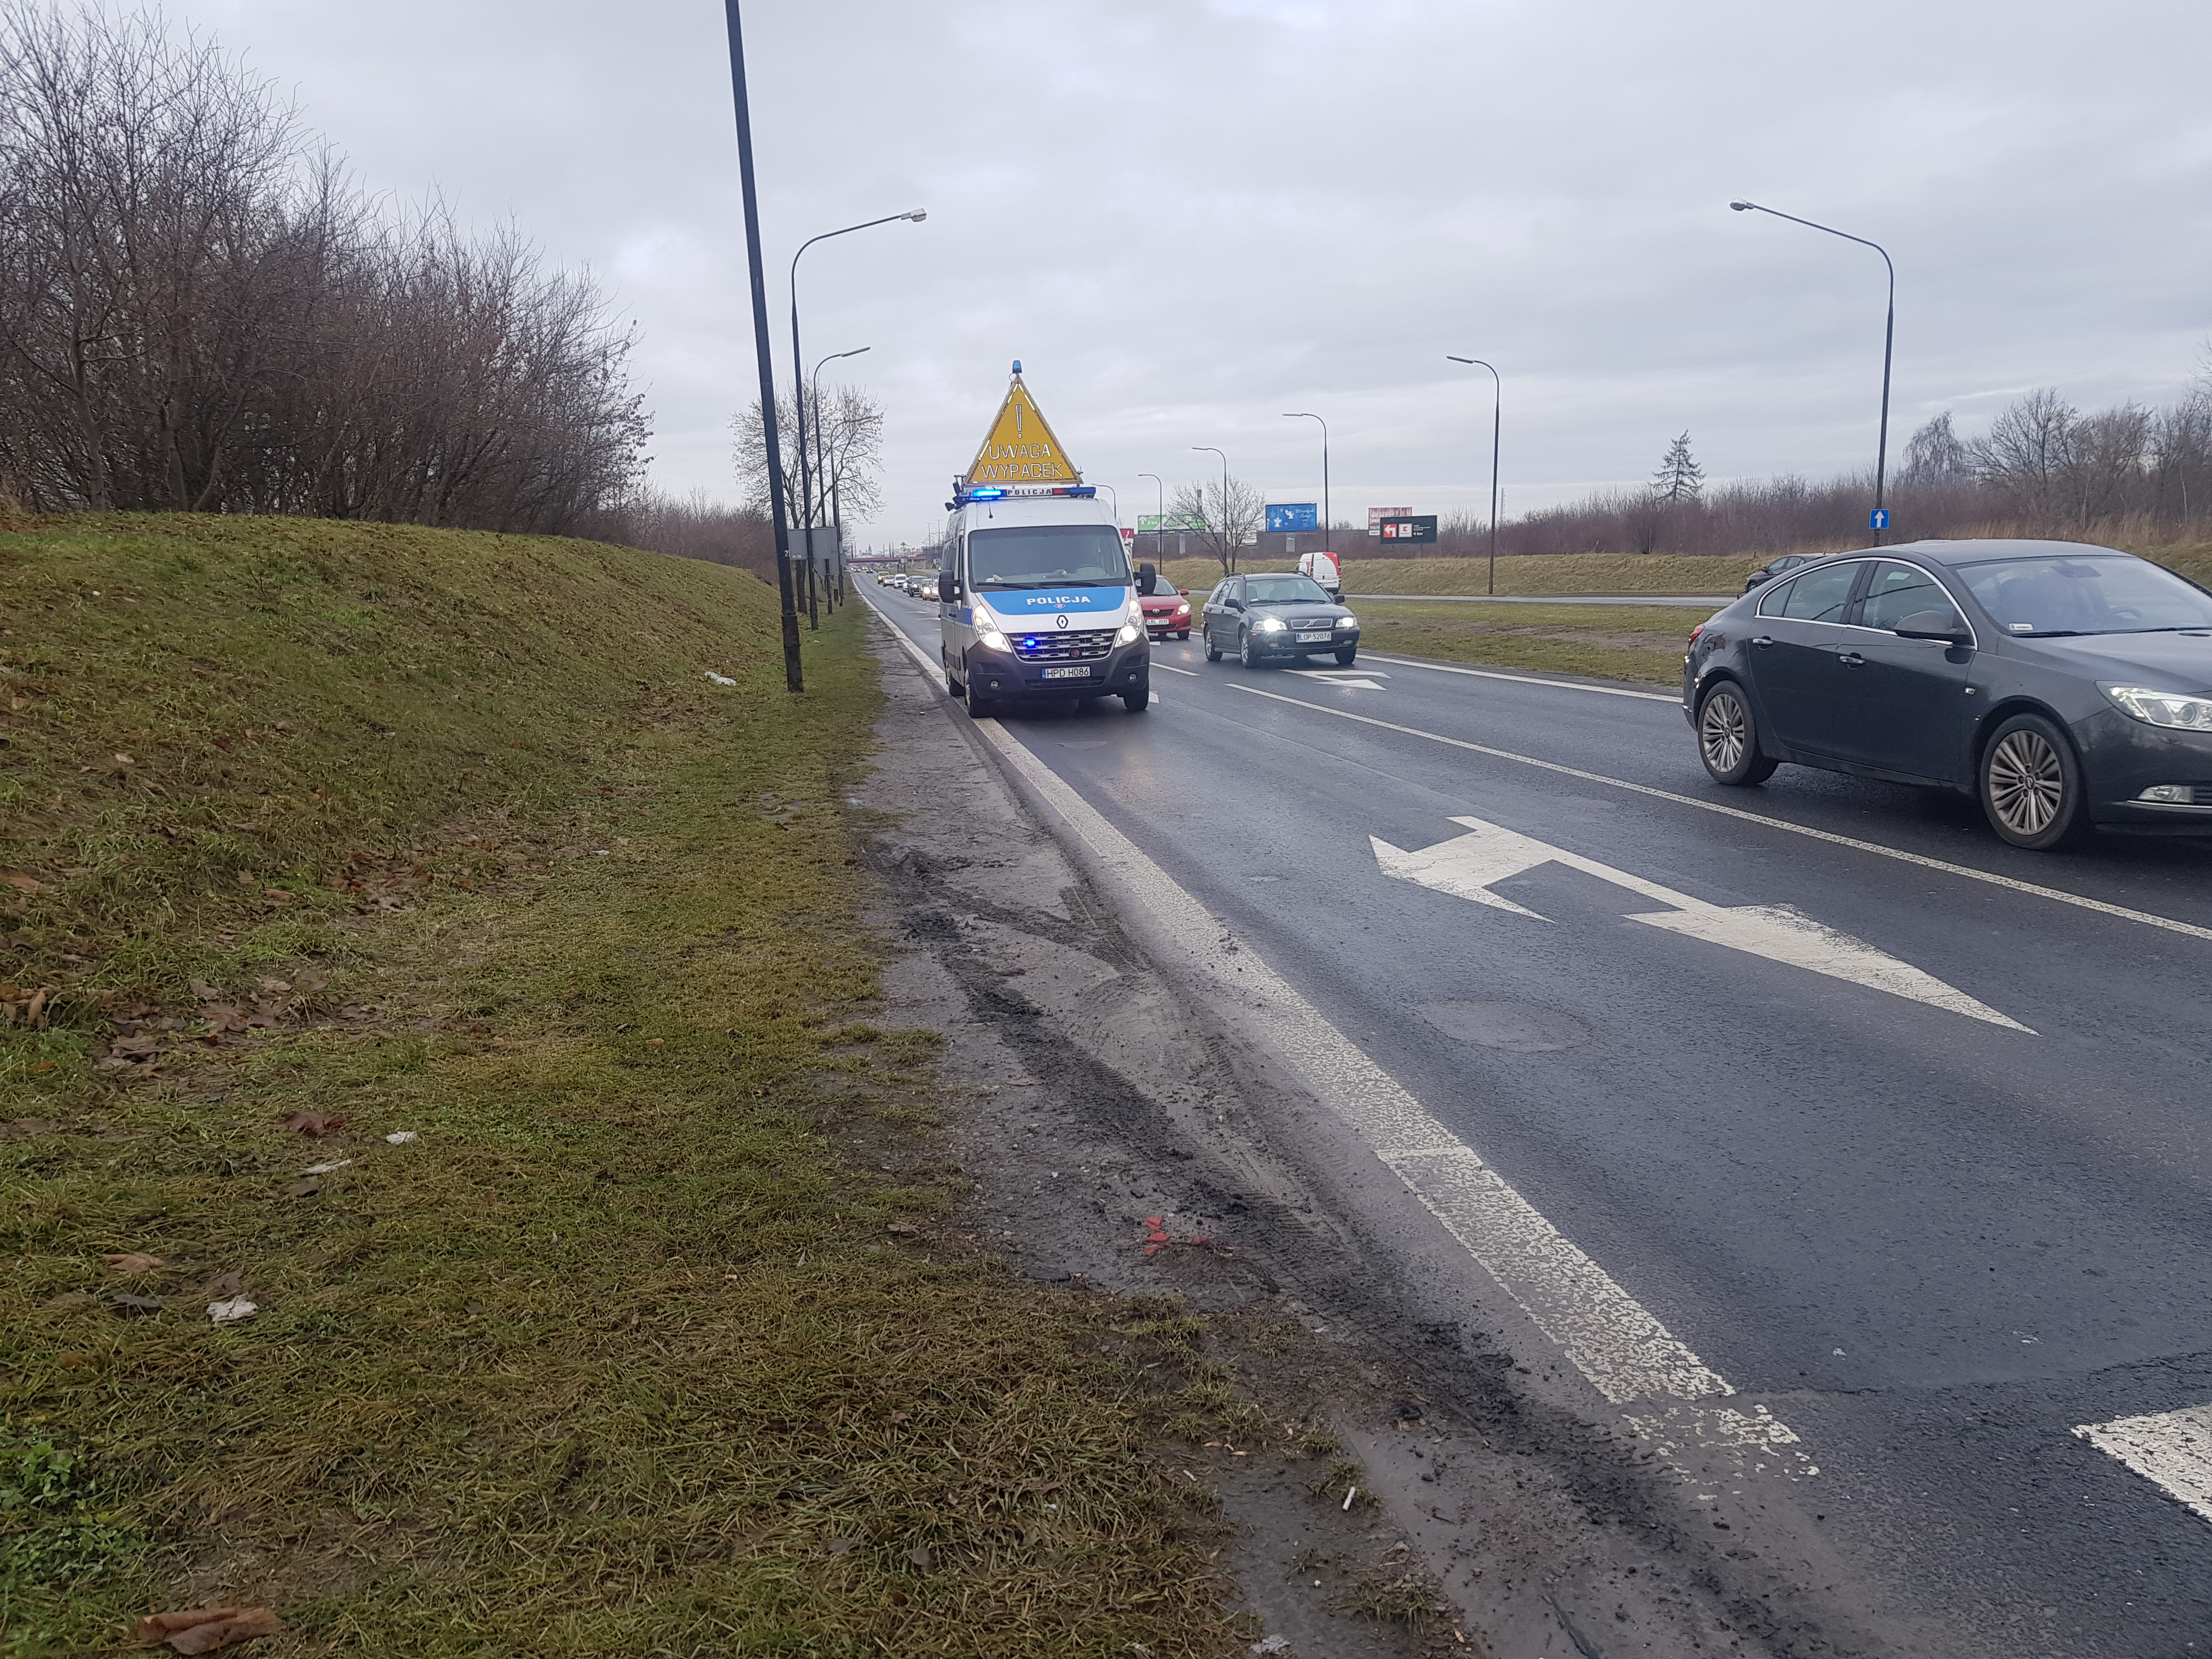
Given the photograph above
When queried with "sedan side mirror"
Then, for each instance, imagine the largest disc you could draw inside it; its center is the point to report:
(1936, 625)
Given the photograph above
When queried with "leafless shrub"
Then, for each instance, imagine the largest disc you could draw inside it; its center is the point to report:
(1229, 517)
(690, 527)
(198, 311)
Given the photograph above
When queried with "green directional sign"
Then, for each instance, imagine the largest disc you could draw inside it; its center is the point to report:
(1156, 523)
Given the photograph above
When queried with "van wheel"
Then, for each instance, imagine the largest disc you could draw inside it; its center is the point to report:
(1137, 701)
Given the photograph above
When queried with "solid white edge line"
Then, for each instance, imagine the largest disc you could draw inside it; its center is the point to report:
(1525, 679)
(1922, 860)
(2172, 1451)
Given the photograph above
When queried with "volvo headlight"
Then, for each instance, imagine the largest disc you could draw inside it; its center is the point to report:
(1268, 625)
(1347, 621)
(2168, 708)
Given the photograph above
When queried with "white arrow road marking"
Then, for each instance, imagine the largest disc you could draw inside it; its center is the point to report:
(2170, 1450)
(1467, 865)
(1341, 676)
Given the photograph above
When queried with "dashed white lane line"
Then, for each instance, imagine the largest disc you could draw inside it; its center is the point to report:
(1526, 679)
(2170, 1450)
(1187, 673)
(1968, 871)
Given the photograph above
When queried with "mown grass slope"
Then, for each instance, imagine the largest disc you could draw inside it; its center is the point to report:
(316, 835)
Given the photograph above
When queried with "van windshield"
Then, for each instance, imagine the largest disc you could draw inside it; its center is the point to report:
(1047, 555)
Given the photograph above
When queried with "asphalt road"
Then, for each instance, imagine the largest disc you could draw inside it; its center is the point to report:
(1936, 1192)
(1683, 601)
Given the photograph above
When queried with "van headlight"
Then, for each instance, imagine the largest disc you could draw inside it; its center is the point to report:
(990, 638)
(1268, 625)
(1130, 634)
(2163, 707)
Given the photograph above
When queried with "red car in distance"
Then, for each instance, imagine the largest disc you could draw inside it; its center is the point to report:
(1167, 610)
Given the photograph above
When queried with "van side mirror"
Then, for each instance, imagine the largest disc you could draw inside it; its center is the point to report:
(948, 587)
(1936, 625)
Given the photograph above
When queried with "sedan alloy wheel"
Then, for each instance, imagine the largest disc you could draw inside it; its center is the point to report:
(2031, 786)
(1728, 738)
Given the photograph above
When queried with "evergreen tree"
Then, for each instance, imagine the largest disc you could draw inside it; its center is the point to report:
(1679, 480)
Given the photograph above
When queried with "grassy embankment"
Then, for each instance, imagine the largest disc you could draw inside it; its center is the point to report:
(1622, 642)
(644, 1346)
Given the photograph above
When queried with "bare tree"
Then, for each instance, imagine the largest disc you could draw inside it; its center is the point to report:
(2027, 453)
(1225, 521)
(1933, 453)
(198, 311)
(844, 429)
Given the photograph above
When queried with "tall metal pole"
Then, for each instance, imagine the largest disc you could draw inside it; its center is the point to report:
(822, 472)
(1497, 412)
(793, 680)
(1229, 565)
(799, 387)
(1888, 340)
(1302, 415)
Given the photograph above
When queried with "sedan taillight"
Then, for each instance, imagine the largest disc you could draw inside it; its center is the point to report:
(1694, 632)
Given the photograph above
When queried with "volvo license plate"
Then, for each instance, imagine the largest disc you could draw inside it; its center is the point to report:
(1079, 672)
(1321, 638)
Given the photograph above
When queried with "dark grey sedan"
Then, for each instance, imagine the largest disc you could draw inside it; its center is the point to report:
(1267, 618)
(2064, 685)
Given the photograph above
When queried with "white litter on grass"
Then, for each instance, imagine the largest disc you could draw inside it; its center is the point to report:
(720, 679)
(230, 1312)
(1273, 1645)
(1350, 1492)
(402, 1137)
(324, 1169)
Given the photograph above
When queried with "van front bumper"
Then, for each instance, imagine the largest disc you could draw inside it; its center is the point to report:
(1125, 668)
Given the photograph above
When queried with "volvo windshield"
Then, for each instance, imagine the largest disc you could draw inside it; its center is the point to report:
(1284, 590)
(2101, 593)
(1047, 555)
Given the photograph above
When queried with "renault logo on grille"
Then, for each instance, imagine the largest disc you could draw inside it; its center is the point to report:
(1061, 620)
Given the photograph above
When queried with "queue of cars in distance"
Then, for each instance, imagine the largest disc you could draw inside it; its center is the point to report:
(2062, 684)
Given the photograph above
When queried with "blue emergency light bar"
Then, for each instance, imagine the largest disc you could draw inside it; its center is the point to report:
(964, 495)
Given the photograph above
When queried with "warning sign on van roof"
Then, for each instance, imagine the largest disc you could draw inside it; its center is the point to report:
(1021, 448)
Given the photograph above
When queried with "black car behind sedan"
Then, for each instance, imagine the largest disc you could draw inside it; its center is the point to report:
(2064, 685)
(1270, 618)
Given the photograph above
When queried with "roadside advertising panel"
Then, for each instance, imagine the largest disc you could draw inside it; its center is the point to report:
(1376, 514)
(1411, 528)
(1289, 517)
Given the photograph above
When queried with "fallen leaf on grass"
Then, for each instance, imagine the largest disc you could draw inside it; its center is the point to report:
(21, 881)
(903, 1228)
(225, 1016)
(325, 1169)
(305, 1187)
(841, 1546)
(203, 1630)
(133, 1262)
(920, 1558)
(222, 1285)
(135, 1304)
(230, 1312)
(204, 991)
(401, 1138)
(317, 1124)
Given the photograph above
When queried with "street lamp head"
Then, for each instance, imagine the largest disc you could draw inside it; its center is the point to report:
(1743, 207)
(917, 215)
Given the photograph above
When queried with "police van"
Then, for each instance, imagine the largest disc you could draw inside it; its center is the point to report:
(1036, 600)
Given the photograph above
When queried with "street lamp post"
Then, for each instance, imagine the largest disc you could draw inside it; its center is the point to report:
(1302, 415)
(799, 387)
(792, 679)
(837, 592)
(1160, 518)
(1497, 411)
(1880, 521)
(1229, 549)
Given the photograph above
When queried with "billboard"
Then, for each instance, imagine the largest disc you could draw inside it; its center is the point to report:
(1155, 523)
(1410, 528)
(1291, 518)
(1376, 514)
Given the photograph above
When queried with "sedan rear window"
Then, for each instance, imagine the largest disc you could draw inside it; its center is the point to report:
(1816, 596)
(2099, 593)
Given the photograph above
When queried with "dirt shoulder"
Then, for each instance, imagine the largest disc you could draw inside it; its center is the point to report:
(1121, 1136)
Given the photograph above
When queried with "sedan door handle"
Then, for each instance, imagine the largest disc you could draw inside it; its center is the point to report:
(1851, 659)
(1765, 641)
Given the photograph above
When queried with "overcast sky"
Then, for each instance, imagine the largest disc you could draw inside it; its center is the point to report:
(1187, 218)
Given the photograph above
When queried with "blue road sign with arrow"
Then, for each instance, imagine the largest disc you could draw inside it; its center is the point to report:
(1879, 518)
